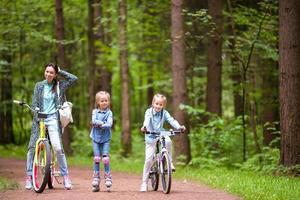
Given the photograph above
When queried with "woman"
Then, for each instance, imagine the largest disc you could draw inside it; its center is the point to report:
(46, 99)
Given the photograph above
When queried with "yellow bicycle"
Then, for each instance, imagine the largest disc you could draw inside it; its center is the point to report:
(44, 161)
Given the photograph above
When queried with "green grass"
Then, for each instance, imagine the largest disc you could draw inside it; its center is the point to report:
(248, 185)
(6, 184)
(245, 184)
(13, 151)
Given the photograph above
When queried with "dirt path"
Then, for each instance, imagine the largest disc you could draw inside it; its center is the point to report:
(125, 187)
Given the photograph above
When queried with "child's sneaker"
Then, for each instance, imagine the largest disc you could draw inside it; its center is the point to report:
(28, 183)
(143, 187)
(67, 183)
(96, 182)
(108, 181)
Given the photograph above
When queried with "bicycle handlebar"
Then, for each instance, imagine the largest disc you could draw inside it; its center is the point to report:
(23, 103)
(165, 133)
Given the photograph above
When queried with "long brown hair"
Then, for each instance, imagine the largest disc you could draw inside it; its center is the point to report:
(55, 67)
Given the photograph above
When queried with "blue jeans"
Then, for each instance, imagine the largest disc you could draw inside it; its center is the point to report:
(101, 149)
(51, 123)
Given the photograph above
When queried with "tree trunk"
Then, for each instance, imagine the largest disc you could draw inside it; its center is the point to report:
(150, 90)
(6, 132)
(103, 75)
(289, 80)
(182, 143)
(106, 74)
(270, 110)
(253, 112)
(59, 31)
(62, 61)
(91, 57)
(125, 105)
(236, 75)
(214, 71)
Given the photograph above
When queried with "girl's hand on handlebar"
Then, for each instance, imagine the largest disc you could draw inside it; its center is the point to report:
(182, 128)
(143, 129)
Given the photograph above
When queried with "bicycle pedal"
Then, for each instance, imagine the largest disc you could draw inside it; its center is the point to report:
(57, 173)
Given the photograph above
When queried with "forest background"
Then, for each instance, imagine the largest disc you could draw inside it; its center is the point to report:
(218, 62)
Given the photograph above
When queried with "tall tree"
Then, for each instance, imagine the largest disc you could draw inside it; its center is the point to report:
(214, 57)
(270, 93)
(182, 143)
(91, 55)
(289, 81)
(6, 53)
(6, 132)
(125, 100)
(102, 39)
(60, 32)
(62, 61)
(236, 74)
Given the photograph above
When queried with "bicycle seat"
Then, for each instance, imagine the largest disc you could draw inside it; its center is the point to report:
(42, 115)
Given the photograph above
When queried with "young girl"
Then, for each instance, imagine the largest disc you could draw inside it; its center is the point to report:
(102, 120)
(45, 97)
(153, 122)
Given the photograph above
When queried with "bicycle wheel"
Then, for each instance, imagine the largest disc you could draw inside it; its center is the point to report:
(154, 177)
(166, 173)
(41, 166)
(51, 178)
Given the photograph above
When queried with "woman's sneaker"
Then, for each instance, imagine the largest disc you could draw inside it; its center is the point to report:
(28, 183)
(96, 182)
(67, 183)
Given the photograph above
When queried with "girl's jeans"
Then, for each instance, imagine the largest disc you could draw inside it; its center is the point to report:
(51, 123)
(101, 149)
(149, 154)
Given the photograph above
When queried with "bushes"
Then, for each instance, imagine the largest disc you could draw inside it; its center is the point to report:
(219, 143)
(219, 140)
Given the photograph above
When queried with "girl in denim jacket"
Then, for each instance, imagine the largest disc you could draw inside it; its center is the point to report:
(155, 116)
(102, 121)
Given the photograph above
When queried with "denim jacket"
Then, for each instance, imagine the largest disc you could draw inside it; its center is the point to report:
(154, 121)
(102, 122)
(37, 101)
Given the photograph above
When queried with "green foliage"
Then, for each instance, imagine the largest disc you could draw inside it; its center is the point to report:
(82, 143)
(266, 162)
(247, 21)
(219, 140)
(13, 151)
(217, 143)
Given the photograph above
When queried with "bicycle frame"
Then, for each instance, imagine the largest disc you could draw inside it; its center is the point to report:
(42, 136)
(162, 163)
